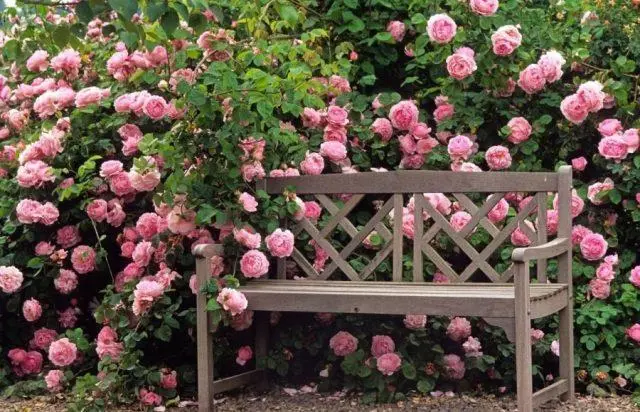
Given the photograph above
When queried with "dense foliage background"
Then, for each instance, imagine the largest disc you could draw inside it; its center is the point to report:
(132, 132)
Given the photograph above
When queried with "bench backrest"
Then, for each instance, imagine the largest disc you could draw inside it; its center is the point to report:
(400, 186)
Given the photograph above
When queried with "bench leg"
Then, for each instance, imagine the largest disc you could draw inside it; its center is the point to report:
(204, 341)
(262, 347)
(566, 350)
(524, 378)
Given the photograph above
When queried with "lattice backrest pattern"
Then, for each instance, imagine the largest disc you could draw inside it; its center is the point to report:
(406, 214)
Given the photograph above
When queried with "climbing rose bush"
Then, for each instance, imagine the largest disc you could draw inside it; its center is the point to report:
(141, 130)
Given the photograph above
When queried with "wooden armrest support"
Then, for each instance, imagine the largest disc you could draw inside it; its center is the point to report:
(547, 250)
(208, 250)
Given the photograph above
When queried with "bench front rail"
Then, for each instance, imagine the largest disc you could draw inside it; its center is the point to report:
(506, 298)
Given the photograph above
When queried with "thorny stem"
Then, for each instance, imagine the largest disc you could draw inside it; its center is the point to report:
(106, 259)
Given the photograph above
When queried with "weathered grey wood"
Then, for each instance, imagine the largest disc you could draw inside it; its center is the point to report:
(522, 311)
(507, 324)
(357, 240)
(478, 215)
(333, 209)
(549, 305)
(261, 320)
(236, 381)
(416, 181)
(303, 264)
(376, 261)
(565, 276)
(541, 264)
(440, 262)
(397, 237)
(208, 250)
(552, 391)
(418, 226)
(545, 251)
(204, 338)
(340, 215)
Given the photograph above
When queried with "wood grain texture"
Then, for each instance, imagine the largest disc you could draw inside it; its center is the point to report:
(524, 379)
(203, 337)
(552, 391)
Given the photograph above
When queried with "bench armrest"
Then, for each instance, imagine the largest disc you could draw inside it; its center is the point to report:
(208, 250)
(547, 250)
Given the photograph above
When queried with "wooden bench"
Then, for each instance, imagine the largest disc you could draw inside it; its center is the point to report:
(509, 305)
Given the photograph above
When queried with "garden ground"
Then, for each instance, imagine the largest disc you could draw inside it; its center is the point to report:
(279, 400)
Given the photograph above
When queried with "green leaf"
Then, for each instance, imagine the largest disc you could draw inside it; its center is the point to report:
(425, 385)
(288, 13)
(61, 36)
(170, 21)
(213, 305)
(636, 161)
(205, 214)
(614, 196)
(126, 8)
(197, 97)
(409, 371)
(155, 10)
(84, 12)
(163, 333)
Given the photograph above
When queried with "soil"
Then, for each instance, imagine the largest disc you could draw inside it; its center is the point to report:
(299, 401)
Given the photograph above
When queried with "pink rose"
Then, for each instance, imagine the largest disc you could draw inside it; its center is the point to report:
(415, 321)
(599, 288)
(68, 236)
(520, 130)
(38, 61)
(31, 310)
(460, 147)
(592, 96)
(247, 238)
(155, 107)
(252, 171)
(143, 253)
(110, 168)
(443, 112)
(148, 225)
(62, 352)
(453, 367)
(66, 282)
(634, 332)
(144, 180)
(441, 28)
(461, 64)
(130, 132)
(632, 140)
(594, 190)
(634, 277)
(311, 118)
(107, 344)
(232, 301)
(54, 380)
(343, 343)
(10, 279)
(382, 344)
(499, 211)
(574, 109)
(579, 163)
(403, 115)
(150, 398)
(145, 293)
(498, 157)
(248, 202)
(577, 204)
(396, 29)
(613, 147)
(67, 62)
(313, 164)
(335, 133)
(605, 272)
(120, 184)
(97, 210)
(551, 63)
(254, 264)
(83, 259)
(505, 40)
(388, 364)
(536, 335)
(245, 354)
(181, 220)
(578, 232)
(383, 128)
(169, 379)
(459, 329)
(337, 116)
(91, 95)
(34, 173)
(472, 347)
(280, 243)
(532, 79)
(44, 248)
(609, 127)
(593, 246)
(484, 7)
(334, 151)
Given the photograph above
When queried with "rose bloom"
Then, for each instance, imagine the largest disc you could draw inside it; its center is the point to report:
(634, 277)
(599, 288)
(634, 332)
(245, 354)
(248, 202)
(498, 157)
(591, 94)
(388, 363)
(578, 232)
(577, 204)
(169, 379)
(453, 367)
(54, 379)
(148, 225)
(247, 238)
(605, 272)
(484, 7)
(396, 29)
(460, 147)
(382, 344)
(499, 211)
(532, 79)
(42, 338)
(38, 61)
(149, 398)
(254, 264)
(536, 335)
(579, 163)
(574, 109)
(145, 293)
(594, 190)
(403, 115)
(459, 220)
(343, 343)
(155, 107)
(91, 95)
(441, 28)
(313, 164)
(181, 221)
(519, 238)
(44, 248)
(505, 40)
(520, 130)
(97, 210)
(83, 259)
(383, 128)
(461, 64)
(443, 112)
(31, 310)
(334, 151)
(337, 116)
(232, 301)
(120, 184)
(593, 247)
(632, 140)
(143, 253)
(311, 118)
(551, 63)
(312, 210)
(10, 279)
(609, 127)
(613, 147)
(459, 329)
(415, 321)
(280, 243)
(66, 282)
(472, 347)
(62, 352)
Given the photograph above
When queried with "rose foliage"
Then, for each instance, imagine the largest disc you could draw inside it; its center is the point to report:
(133, 131)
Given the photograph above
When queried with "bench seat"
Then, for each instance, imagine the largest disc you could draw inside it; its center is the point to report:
(399, 298)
